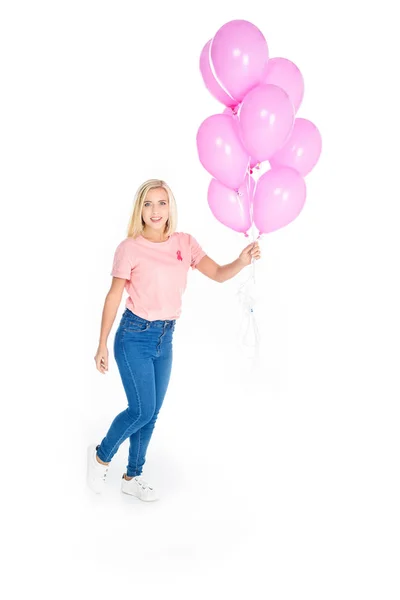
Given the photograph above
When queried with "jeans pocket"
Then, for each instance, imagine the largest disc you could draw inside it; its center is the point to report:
(135, 326)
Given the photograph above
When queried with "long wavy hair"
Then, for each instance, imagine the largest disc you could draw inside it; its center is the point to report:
(136, 223)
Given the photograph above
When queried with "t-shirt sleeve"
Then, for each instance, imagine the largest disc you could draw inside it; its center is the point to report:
(196, 252)
(123, 260)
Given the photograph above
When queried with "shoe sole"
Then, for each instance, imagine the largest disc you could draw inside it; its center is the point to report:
(134, 496)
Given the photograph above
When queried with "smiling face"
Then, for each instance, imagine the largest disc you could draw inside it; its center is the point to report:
(155, 210)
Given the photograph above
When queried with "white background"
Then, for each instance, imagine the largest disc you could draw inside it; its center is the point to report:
(280, 482)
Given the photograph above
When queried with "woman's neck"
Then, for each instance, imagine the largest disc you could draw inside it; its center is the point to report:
(155, 236)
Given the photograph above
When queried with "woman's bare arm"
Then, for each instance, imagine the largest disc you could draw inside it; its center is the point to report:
(111, 304)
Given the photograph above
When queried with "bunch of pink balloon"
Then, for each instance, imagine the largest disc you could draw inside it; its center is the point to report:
(259, 124)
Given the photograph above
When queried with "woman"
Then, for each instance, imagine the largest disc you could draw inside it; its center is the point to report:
(151, 264)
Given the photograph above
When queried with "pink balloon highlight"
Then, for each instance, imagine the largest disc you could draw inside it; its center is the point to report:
(302, 149)
(239, 55)
(266, 118)
(279, 198)
(220, 150)
(286, 75)
(230, 207)
(210, 82)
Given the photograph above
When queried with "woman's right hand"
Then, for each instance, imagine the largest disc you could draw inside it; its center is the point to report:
(101, 359)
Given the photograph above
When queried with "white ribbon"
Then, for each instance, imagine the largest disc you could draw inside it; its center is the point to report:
(246, 294)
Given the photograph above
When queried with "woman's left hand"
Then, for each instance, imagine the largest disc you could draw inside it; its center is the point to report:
(251, 251)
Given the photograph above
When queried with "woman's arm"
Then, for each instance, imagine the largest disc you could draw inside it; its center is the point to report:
(222, 273)
(111, 304)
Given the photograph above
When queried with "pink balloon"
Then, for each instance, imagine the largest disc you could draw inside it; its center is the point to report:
(266, 119)
(210, 82)
(239, 54)
(283, 73)
(232, 112)
(230, 207)
(302, 150)
(254, 164)
(220, 150)
(279, 198)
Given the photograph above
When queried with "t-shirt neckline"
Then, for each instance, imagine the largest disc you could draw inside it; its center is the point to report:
(146, 241)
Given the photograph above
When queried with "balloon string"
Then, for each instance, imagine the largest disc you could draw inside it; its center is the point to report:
(249, 326)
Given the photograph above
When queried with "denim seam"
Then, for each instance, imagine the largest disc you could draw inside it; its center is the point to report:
(131, 329)
(160, 340)
(137, 456)
(124, 436)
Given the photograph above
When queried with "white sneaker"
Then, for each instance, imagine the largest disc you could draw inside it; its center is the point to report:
(139, 488)
(96, 472)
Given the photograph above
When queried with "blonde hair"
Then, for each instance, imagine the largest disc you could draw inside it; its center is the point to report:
(136, 223)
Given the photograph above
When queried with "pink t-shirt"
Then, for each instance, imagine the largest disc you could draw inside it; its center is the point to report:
(156, 273)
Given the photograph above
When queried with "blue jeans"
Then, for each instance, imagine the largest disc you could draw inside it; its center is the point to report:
(143, 352)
